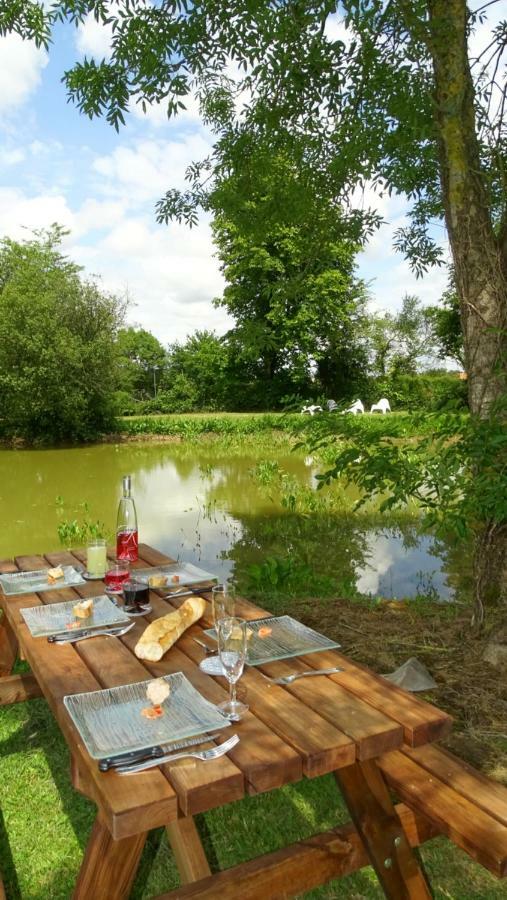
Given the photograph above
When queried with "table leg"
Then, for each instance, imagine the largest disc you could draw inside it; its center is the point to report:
(367, 797)
(8, 647)
(188, 850)
(109, 867)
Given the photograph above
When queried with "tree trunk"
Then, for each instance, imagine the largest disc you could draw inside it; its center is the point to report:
(478, 256)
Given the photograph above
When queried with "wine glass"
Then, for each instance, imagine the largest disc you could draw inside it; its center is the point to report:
(232, 647)
(223, 598)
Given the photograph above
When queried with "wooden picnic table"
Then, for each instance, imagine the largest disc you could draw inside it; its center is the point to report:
(341, 723)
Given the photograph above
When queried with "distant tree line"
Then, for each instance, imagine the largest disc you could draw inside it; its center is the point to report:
(394, 355)
(69, 364)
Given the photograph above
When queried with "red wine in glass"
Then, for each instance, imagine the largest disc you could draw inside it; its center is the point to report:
(116, 576)
(127, 545)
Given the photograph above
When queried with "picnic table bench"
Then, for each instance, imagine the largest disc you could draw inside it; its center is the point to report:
(371, 734)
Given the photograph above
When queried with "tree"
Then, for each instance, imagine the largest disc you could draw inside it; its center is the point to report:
(394, 100)
(401, 343)
(196, 376)
(445, 321)
(57, 336)
(140, 357)
(290, 283)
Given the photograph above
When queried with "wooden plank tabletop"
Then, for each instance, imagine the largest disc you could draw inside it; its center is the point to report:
(308, 728)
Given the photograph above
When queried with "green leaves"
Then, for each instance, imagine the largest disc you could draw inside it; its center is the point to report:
(288, 262)
(56, 344)
(78, 532)
(454, 468)
(28, 19)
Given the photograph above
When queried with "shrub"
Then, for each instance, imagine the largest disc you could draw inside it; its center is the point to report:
(424, 392)
(57, 371)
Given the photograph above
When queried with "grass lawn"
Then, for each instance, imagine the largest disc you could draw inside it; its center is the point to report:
(44, 826)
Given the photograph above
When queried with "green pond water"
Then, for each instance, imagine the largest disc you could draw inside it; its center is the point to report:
(223, 510)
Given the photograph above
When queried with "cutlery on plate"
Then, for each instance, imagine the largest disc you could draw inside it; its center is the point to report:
(288, 679)
(147, 753)
(88, 633)
(212, 753)
(181, 593)
(205, 646)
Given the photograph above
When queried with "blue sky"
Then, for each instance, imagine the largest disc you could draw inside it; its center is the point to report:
(57, 165)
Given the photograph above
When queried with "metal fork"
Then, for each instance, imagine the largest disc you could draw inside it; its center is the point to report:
(88, 633)
(288, 679)
(212, 753)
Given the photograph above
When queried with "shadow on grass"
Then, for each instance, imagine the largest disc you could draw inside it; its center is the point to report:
(7, 868)
(41, 732)
(149, 854)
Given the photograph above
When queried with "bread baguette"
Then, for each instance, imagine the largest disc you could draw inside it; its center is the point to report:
(161, 634)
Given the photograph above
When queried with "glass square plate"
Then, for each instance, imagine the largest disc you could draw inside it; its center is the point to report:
(36, 582)
(110, 721)
(288, 638)
(55, 618)
(185, 573)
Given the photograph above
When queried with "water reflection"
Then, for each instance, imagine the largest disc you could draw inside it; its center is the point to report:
(394, 569)
(202, 504)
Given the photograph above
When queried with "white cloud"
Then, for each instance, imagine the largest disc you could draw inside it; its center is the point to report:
(148, 168)
(11, 156)
(45, 148)
(388, 274)
(93, 38)
(21, 65)
(156, 114)
(20, 214)
(97, 215)
(335, 29)
(170, 274)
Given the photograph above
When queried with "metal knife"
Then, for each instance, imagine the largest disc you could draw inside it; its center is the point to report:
(134, 756)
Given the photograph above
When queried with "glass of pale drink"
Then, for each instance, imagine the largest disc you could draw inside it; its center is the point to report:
(96, 558)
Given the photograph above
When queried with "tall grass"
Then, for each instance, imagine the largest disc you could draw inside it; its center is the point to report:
(189, 426)
(395, 425)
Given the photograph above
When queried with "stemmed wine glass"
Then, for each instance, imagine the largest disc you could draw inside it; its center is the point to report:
(223, 600)
(232, 648)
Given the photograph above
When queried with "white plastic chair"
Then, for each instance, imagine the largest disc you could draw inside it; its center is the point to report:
(311, 410)
(356, 408)
(383, 406)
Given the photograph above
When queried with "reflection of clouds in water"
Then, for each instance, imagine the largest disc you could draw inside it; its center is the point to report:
(205, 506)
(393, 570)
(200, 519)
(380, 554)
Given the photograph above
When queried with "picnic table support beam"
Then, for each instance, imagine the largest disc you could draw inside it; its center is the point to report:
(109, 867)
(300, 867)
(18, 688)
(188, 850)
(374, 815)
(8, 647)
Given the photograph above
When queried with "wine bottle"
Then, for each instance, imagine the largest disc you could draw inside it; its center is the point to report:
(126, 524)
